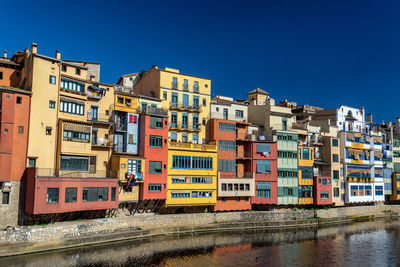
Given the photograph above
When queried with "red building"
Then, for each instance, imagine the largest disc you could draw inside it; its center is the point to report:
(322, 190)
(235, 176)
(14, 128)
(154, 147)
(264, 165)
(46, 193)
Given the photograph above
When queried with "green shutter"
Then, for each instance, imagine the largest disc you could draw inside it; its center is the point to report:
(280, 191)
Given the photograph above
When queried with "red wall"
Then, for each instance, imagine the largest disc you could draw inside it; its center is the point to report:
(13, 145)
(36, 194)
(153, 154)
(269, 177)
(231, 204)
(318, 188)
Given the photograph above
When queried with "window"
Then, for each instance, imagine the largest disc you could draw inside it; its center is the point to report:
(195, 138)
(379, 190)
(202, 163)
(134, 166)
(305, 191)
(113, 193)
(52, 195)
(226, 165)
(224, 199)
(52, 104)
(181, 162)
(354, 190)
(263, 148)
(202, 180)
(5, 130)
(72, 107)
(72, 135)
(48, 130)
(263, 166)
(238, 199)
(202, 194)
(155, 167)
(324, 195)
(19, 100)
(173, 136)
(335, 142)
(284, 124)
(226, 145)
(324, 182)
(184, 138)
(156, 122)
(95, 194)
(6, 198)
(335, 174)
(185, 85)
(306, 153)
(164, 95)
(204, 123)
(336, 192)
(128, 101)
(64, 68)
(75, 163)
(20, 129)
(174, 83)
(155, 141)
(185, 121)
(72, 85)
(239, 113)
(204, 102)
(31, 163)
(229, 127)
(180, 195)
(286, 191)
(70, 194)
(77, 71)
(196, 86)
(154, 188)
(1, 75)
(52, 79)
(306, 172)
(196, 102)
(335, 158)
(263, 189)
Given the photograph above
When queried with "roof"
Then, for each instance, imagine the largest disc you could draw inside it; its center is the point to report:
(9, 62)
(87, 81)
(259, 91)
(15, 90)
(89, 62)
(216, 100)
(331, 111)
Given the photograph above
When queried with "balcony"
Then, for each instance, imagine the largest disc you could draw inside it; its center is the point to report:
(191, 146)
(153, 111)
(122, 89)
(100, 119)
(193, 107)
(229, 117)
(243, 155)
(184, 127)
(50, 172)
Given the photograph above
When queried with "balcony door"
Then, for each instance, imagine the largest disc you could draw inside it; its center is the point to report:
(185, 100)
(95, 112)
(120, 143)
(225, 114)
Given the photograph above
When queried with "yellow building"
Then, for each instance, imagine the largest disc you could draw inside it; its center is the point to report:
(306, 174)
(187, 99)
(70, 119)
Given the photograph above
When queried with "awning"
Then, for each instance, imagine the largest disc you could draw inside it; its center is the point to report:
(93, 87)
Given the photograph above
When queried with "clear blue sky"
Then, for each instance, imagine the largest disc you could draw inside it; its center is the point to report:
(323, 53)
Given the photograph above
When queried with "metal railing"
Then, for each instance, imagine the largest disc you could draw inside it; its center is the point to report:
(184, 126)
(188, 106)
(51, 172)
(153, 110)
(243, 154)
(204, 147)
(100, 118)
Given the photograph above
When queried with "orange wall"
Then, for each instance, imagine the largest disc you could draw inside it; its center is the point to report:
(10, 78)
(232, 204)
(13, 145)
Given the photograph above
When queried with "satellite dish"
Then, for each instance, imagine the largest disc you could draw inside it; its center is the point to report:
(100, 140)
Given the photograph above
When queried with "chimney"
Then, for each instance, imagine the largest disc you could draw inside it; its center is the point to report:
(369, 117)
(34, 48)
(5, 53)
(58, 55)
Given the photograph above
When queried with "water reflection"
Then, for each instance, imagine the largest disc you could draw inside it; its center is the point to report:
(363, 244)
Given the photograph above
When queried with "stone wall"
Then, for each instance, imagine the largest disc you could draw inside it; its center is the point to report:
(164, 223)
(9, 212)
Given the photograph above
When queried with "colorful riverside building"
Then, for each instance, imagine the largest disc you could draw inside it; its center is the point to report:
(396, 170)
(140, 149)
(14, 114)
(192, 162)
(228, 127)
(277, 124)
(360, 154)
(69, 144)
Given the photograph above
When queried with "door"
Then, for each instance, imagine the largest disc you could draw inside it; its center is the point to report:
(92, 164)
(95, 113)
(120, 143)
(185, 100)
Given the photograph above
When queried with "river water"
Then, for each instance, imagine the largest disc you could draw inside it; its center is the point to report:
(374, 243)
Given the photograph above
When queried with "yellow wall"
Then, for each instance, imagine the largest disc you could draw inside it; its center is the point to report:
(189, 187)
(124, 107)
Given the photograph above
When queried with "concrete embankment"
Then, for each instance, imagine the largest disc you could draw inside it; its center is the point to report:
(32, 239)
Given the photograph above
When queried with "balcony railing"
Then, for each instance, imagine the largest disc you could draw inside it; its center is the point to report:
(184, 126)
(203, 147)
(153, 110)
(186, 106)
(50, 172)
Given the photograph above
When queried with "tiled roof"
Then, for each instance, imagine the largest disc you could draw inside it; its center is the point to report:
(259, 91)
